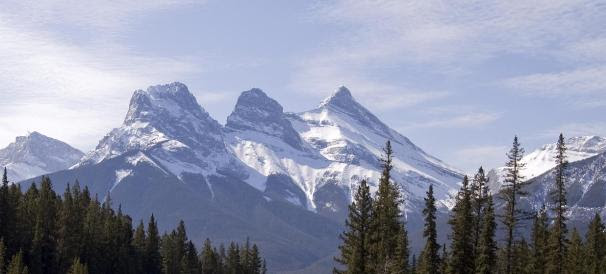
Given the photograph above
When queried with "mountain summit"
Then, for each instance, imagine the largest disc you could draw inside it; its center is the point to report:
(255, 111)
(36, 154)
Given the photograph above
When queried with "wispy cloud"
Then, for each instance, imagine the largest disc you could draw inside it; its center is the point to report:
(48, 80)
(466, 120)
(576, 129)
(105, 17)
(580, 81)
(444, 37)
(488, 156)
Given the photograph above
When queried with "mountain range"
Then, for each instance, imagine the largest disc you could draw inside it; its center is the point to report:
(283, 179)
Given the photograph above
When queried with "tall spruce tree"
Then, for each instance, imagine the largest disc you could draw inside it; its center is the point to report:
(574, 259)
(153, 263)
(209, 260)
(486, 257)
(400, 263)
(558, 241)
(595, 245)
(355, 249)
(461, 222)
(479, 190)
(44, 247)
(386, 215)
(521, 253)
(511, 191)
(540, 238)
(430, 259)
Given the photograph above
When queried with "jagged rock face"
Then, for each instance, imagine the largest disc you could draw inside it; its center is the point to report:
(36, 154)
(351, 137)
(255, 111)
(167, 122)
(338, 144)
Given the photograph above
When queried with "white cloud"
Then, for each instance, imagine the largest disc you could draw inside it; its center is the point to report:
(466, 120)
(488, 156)
(582, 81)
(66, 90)
(101, 16)
(441, 37)
(576, 129)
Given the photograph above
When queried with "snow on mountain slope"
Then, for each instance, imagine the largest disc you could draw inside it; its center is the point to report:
(543, 159)
(167, 122)
(585, 185)
(324, 153)
(346, 133)
(36, 154)
(579, 148)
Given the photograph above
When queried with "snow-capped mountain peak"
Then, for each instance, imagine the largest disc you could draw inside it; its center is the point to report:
(341, 97)
(255, 111)
(165, 120)
(578, 148)
(36, 154)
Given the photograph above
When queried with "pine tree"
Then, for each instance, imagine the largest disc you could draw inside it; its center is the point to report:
(521, 253)
(71, 226)
(5, 211)
(430, 260)
(139, 246)
(152, 248)
(356, 239)
(386, 216)
(2, 256)
(402, 253)
(558, 239)
(208, 257)
(486, 258)
(44, 248)
(444, 260)
(479, 190)
(540, 236)
(233, 263)
(256, 263)
(595, 245)
(574, 258)
(462, 245)
(78, 268)
(190, 263)
(17, 266)
(511, 191)
(413, 265)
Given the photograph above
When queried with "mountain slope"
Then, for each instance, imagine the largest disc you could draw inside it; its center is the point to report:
(543, 159)
(316, 159)
(36, 154)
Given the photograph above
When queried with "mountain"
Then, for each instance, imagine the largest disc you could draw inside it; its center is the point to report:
(36, 154)
(585, 180)
(585, 186)
(542, 160)
(283, 179)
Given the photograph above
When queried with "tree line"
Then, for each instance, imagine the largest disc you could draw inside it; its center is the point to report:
(42, 232)
(375, 239)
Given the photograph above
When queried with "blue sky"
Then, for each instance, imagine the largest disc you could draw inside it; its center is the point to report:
(459, 78)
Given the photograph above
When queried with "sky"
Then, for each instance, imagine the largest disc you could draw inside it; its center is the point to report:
(459, 78)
